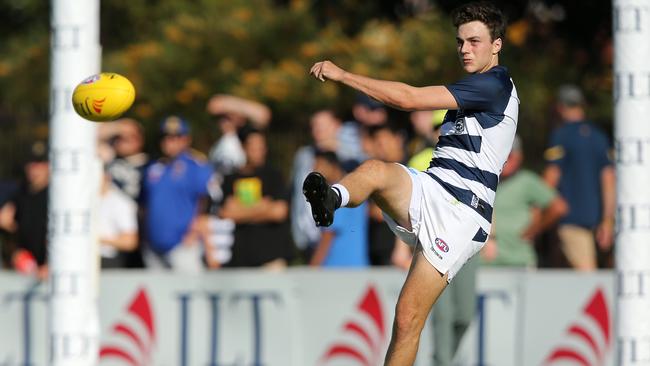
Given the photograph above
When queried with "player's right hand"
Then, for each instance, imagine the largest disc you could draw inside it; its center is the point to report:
(327, 70)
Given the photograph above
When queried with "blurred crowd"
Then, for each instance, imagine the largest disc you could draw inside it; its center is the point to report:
(194, 211)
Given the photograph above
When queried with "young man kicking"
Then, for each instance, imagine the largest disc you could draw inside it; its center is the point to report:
(445, 211)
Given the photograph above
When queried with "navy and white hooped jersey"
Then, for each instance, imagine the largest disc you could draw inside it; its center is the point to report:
(476, 139)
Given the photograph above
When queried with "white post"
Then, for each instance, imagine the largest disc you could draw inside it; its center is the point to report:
(631, 27)
(74, 185)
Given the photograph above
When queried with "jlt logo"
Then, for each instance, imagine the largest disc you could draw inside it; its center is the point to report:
(66, 37)
(631, 151)
(633, 350)
(633, 284)
(633, 217)
(630, 18)
(631, 85)
(132, 338)
(63, 222)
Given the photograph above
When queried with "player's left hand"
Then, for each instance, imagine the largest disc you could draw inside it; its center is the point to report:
(327, 70)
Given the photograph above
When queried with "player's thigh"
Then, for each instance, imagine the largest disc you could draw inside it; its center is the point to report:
(422, 287)
(394, 198)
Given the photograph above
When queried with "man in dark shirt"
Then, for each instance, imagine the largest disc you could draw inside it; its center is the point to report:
(29, 224)
(578, 165)
(256, 200)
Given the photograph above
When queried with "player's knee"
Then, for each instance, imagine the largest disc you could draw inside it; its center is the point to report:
(374, 167)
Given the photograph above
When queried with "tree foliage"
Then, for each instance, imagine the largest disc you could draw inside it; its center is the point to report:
(179, 53)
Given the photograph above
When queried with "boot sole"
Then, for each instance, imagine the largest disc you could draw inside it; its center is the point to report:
(315, 190)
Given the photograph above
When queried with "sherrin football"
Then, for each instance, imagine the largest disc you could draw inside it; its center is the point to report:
(103, 97)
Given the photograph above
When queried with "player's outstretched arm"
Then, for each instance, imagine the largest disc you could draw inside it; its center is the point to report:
(393, 93)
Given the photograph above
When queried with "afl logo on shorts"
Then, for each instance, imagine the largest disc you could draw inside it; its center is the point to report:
(442, 245)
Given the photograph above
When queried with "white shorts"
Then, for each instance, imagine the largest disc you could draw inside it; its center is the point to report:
(449, 231)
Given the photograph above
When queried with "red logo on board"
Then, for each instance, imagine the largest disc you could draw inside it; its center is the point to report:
(371, 333)
(593, 332)
(142, 336)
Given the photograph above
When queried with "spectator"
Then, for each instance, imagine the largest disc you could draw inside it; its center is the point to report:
(325, 126)
(127, 167)
(219, 237)
(345, 242)
(25, 215)
(524, 207)
(231, 114)
(388, 144)
(579, 166)
(8, 190)
(353, 136)
(106, 133)
(174, 188)
(117, 224)
(255, 199)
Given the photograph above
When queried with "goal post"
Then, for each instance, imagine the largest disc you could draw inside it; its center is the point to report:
(631, 30)
(73, 325)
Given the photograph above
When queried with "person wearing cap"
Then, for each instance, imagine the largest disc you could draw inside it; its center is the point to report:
(25, 215)
(579, 166)
(174, 187)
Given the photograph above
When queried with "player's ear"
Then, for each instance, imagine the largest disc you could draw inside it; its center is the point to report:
(496, 46)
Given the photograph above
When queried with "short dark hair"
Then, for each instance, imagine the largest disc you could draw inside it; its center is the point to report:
(485, 13)
(391, 127)
(329, 156)
(245, 132)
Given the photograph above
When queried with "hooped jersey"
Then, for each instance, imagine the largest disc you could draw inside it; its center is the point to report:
(476, 139)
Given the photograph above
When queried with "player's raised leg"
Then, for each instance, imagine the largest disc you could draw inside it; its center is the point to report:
(422, 287)
(388, 184)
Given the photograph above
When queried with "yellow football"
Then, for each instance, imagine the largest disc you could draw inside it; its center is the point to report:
(103, 97)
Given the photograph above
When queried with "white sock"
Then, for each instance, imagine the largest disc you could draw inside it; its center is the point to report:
(343, 192)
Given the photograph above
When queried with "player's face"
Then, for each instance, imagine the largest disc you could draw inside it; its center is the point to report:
(476, 49)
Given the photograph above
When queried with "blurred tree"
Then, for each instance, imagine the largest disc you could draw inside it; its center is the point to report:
(179, 53)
